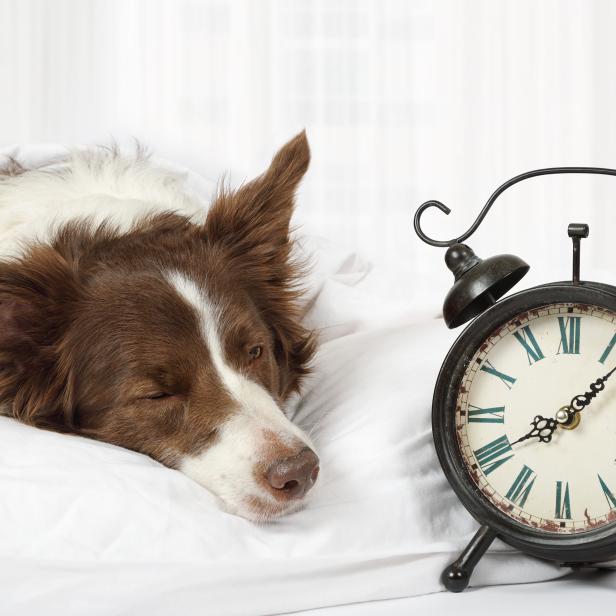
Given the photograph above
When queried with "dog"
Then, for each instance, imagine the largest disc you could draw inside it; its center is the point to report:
(172, 336)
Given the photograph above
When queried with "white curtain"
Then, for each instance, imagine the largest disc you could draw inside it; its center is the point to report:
(403, 101)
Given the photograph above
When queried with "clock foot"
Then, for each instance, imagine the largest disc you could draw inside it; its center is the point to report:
(457, 576)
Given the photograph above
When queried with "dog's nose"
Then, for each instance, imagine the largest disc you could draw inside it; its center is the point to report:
(294, 476)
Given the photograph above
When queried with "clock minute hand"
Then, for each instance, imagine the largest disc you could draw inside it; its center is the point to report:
(543, 429)
(567, 415)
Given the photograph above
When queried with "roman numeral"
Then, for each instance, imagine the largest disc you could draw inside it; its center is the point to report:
(563, 502)
(569, 335)
(519, 491)
(609, 497)
(495, 414)
(527, 339)
(490, 456)
(608, 350)
(505, 378)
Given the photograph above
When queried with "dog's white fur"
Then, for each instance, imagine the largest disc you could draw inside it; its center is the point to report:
(97, 184)
(227, 467)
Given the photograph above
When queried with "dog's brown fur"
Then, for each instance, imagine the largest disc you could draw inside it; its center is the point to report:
(94, 341)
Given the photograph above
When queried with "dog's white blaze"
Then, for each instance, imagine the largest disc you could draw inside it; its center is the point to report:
(227, 467)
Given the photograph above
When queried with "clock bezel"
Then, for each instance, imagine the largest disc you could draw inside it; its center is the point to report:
(590, 546)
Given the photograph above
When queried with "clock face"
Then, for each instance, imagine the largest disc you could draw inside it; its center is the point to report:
(534, 365)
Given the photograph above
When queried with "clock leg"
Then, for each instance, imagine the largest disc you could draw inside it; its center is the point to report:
(458, 575)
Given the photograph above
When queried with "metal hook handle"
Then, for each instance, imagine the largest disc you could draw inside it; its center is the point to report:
(490, 202)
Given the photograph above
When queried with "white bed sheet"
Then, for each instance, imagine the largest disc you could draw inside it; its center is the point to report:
(91, 528)
(587, 592)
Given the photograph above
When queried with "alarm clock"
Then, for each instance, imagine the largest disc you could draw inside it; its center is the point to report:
(524, 407)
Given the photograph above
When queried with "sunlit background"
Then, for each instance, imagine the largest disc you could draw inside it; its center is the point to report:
(402, 100)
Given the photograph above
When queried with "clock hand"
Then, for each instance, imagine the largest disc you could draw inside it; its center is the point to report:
(543, 429)
(568, 415)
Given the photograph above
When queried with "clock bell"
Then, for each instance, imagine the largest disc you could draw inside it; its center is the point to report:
(480, 283)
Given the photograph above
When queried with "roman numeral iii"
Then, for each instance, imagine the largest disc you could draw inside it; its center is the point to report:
(519, 491)
(507, 380)
(494, 454)
(495, 414)
(569, 335)
(527, 339)
(563, 501)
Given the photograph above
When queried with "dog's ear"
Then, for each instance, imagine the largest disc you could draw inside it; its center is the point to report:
(251, 228)
(253, 221)
(36, 294)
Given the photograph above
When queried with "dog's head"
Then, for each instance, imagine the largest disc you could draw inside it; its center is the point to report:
(174, 339)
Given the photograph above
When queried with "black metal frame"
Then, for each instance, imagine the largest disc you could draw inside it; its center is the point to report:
(585, 548)
(493, 197)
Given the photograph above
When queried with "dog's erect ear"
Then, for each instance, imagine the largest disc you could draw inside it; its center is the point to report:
(254, 220)
(251, 227)
(36, 294)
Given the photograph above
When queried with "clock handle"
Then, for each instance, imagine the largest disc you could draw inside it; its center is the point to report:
(458, 575)
(486, 208)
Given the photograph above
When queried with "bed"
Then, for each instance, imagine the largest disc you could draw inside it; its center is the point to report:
(91, 528)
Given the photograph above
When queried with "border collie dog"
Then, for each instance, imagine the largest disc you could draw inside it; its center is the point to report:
(178, 336)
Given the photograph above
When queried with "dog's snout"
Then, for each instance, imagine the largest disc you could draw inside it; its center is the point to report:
(294, 476)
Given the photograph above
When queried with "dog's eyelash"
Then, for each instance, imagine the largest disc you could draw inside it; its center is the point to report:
(159, 395)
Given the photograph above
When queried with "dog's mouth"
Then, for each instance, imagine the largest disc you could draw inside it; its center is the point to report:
(262, 477)
(265, 497)
(263, 511)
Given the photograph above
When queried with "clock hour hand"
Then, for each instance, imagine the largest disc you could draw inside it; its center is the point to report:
(542, 428)
(567, 415)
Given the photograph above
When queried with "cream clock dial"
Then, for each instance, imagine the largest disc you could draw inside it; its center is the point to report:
(533, 366)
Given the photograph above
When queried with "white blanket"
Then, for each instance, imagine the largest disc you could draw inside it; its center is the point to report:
(92, 528)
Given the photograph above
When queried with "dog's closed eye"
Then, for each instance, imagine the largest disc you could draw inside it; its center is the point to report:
(158, 395)
(156, 390)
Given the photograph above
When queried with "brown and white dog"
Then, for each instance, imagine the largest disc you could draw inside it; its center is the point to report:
(174, 337)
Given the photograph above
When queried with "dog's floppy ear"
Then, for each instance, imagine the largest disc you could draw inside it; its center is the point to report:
(253, 221)
(36, 294)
